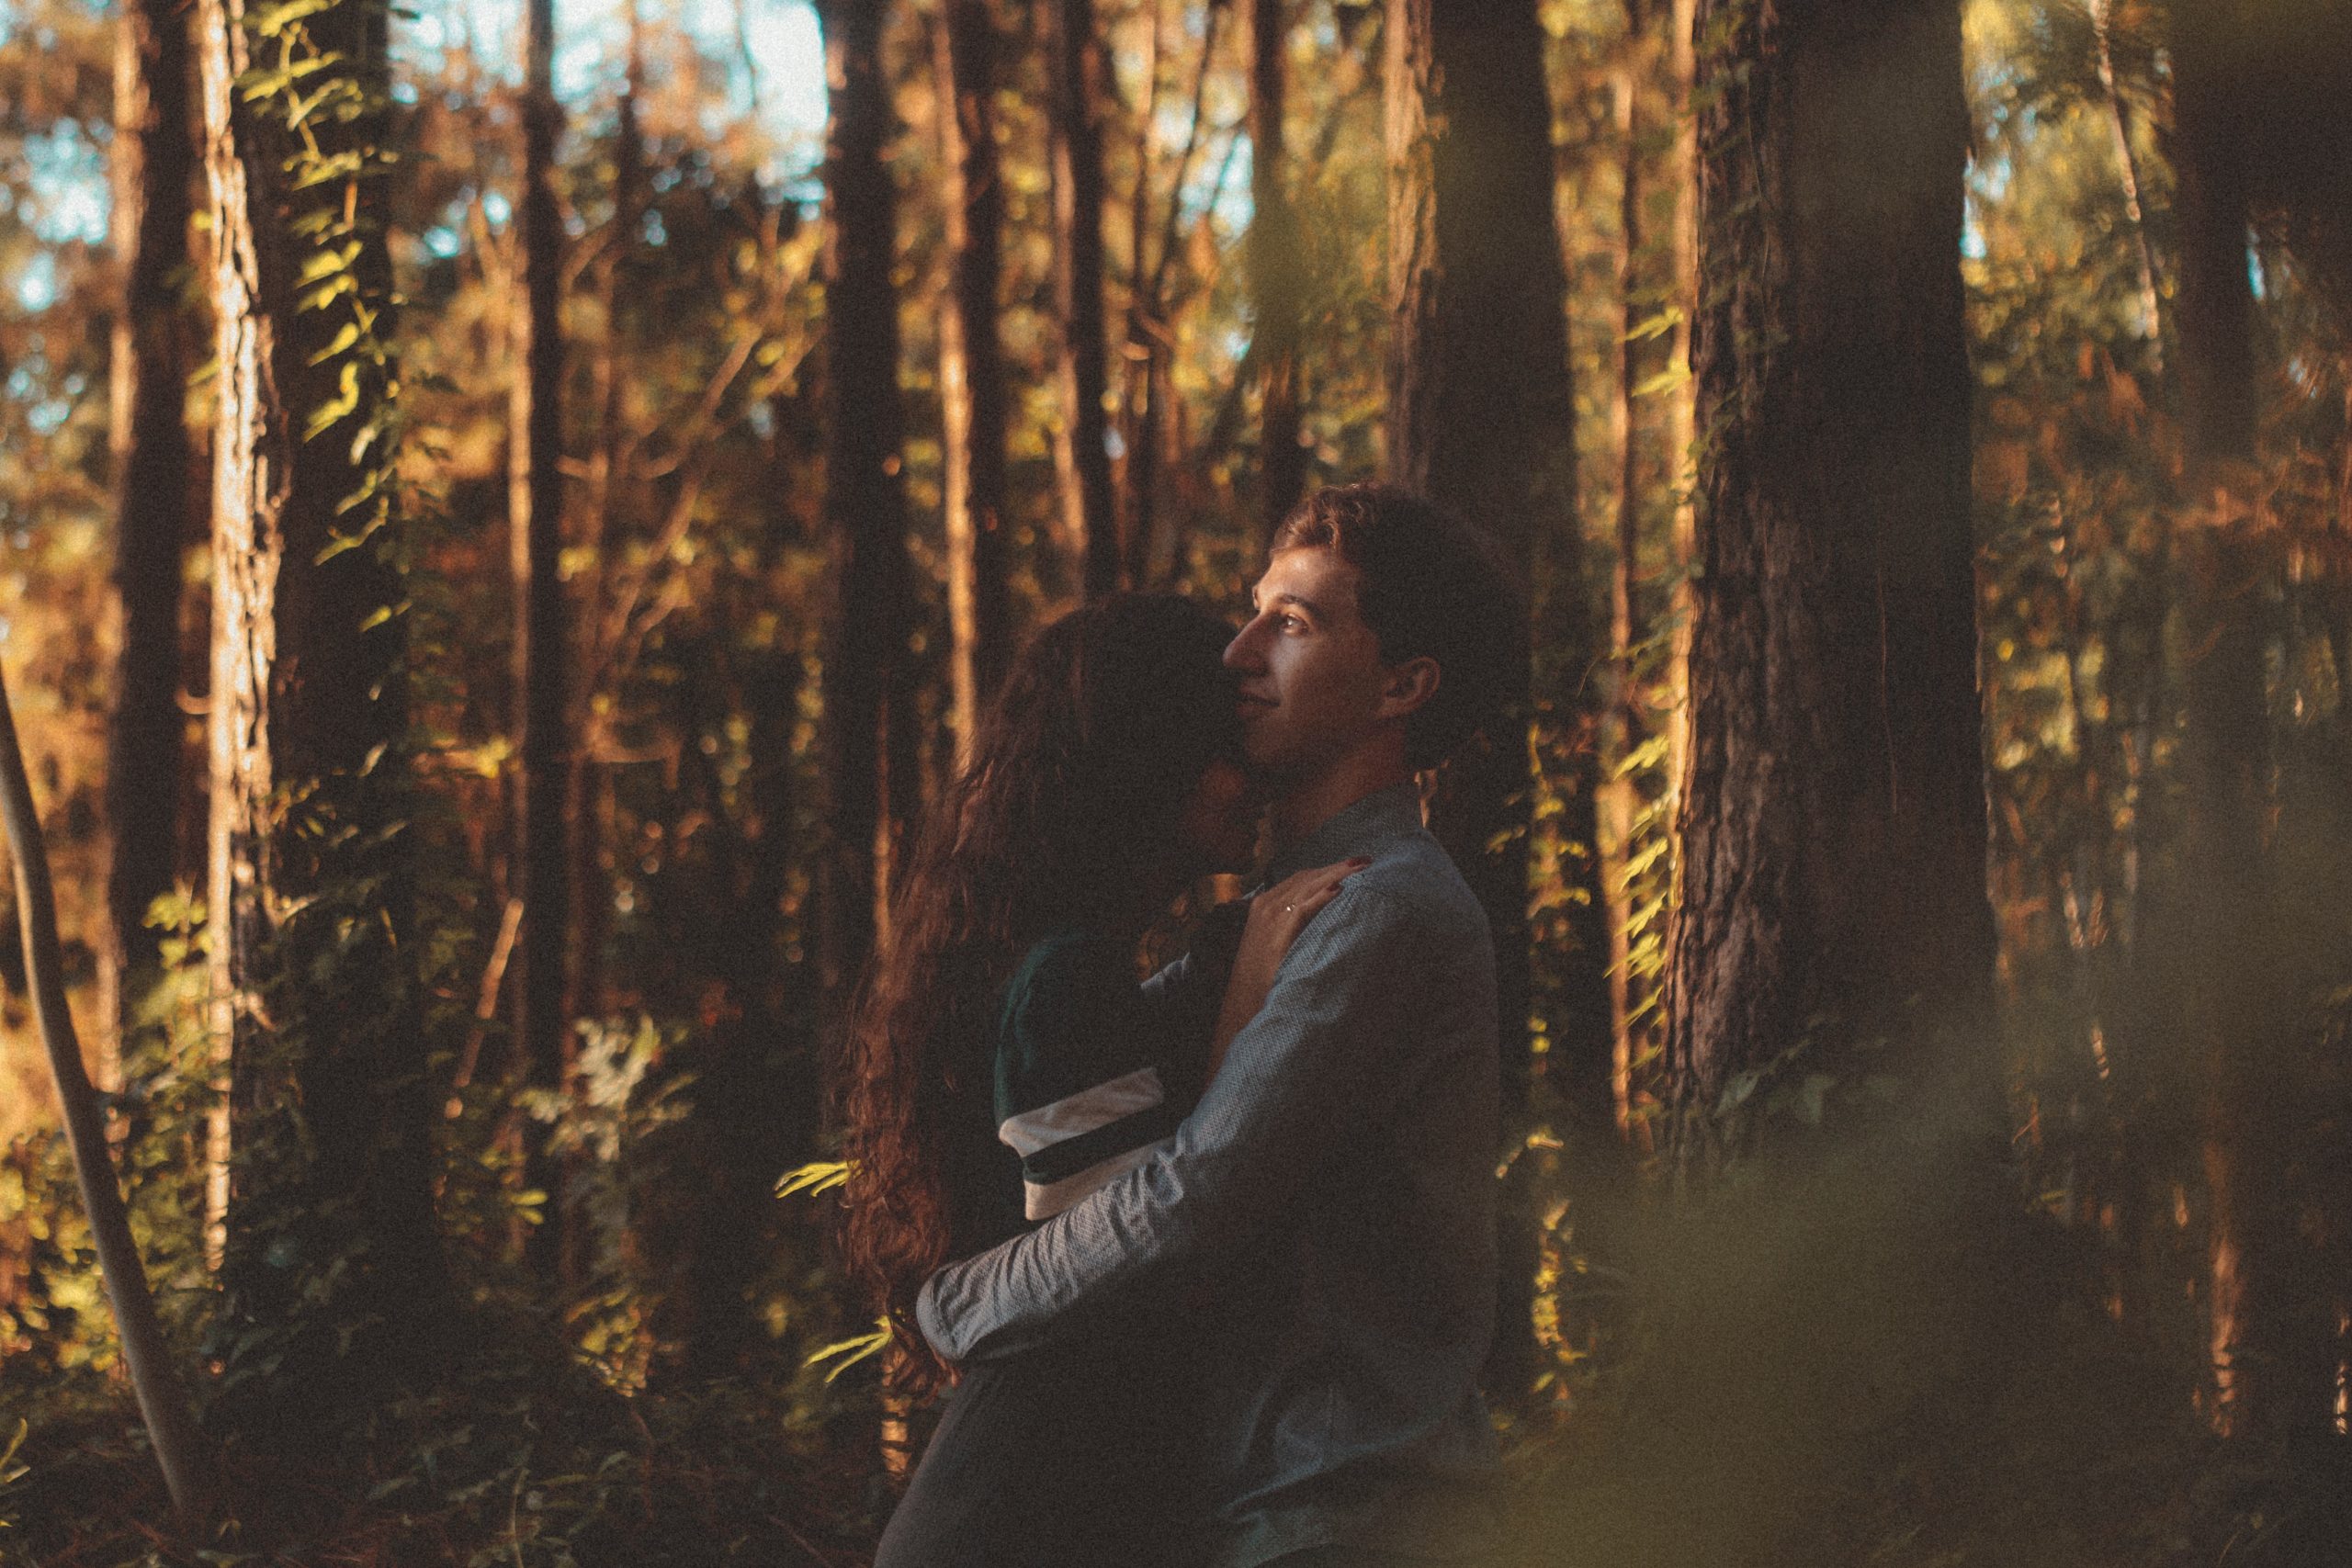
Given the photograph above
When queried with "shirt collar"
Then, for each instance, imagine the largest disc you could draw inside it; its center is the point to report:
(1363, 828)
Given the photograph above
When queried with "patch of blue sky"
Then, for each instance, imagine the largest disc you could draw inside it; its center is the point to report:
(771, 52)
(36, 287)
(68, 186)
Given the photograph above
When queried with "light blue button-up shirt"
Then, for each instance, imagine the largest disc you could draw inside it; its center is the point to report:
(1336, 1184)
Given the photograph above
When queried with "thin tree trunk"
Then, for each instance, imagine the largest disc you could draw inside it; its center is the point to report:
(1277, 269)
(1081, 81)
(1833, 823)
(1621, 723)
(542, 648)
(2128, 164)
(868, 676)
(329, 1241)
(588, 785)
(1138, 468)
(1481, 418)
(152, 161)
(163, 1405)
(973, 392)
(1683, 405)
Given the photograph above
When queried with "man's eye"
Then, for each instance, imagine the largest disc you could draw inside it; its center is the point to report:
(1291, 622)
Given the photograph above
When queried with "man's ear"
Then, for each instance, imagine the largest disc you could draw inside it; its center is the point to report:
(1407, 687)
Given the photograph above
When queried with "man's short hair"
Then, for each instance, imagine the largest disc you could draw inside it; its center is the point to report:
(1429, 585)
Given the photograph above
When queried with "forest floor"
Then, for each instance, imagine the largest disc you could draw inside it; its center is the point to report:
(1845, 1368)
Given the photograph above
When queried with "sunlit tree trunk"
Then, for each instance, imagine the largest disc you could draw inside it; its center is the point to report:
(1622, 722)
(869, 680)
(155, 1380)
(1080, 84)
(542, 651)
(330, 1248)
(1277, 269)
(2270, 1330)
(972, 386)
(1481, 418)
(153, 163)
(588, 786)
(1834, 815)
(1683, 402)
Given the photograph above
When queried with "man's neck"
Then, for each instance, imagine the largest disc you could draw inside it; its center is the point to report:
(1310, 803)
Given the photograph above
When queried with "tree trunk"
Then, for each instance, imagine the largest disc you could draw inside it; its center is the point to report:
(1277, 269)
(155, 1377)
(330, 1247)
(972, 386)
(1081, 82)
(542, 650)
(1682, 407)
(152, 161)
(1834, 815)
(2270, 1333)
(588, 792)
(1621, 723)
(868, 677)
(1481, 419)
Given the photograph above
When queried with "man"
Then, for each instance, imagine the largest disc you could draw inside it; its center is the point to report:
(1337, 1178)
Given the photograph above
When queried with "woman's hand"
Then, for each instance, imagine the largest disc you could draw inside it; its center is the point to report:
(1276, 917)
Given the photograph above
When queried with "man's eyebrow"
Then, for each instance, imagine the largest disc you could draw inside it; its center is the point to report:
(1309, 605)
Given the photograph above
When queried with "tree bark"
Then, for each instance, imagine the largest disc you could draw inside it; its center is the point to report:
(1682, 407)
(1277, 269)
(1834, 813)
(972, 386)
(1481, 418)
(331, 1247)
(2271, 1335)
(869, 675)
(153, 163)
(155, 1380)
(1621, 723)
(1081, 82)
(542, 650)
(588, 794)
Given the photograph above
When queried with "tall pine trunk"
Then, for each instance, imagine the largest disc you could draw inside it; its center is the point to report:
(542, 651)
(331, 1254)
(1481, 418)
(1277, 269)
(152, 163)
(2270, 1332)
(1620, 722)
(1834, 813)
(972, 386)
(1080, 83)
(868, 676)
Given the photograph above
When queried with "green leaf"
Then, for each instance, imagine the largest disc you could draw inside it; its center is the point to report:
(342, 340)
(847, 1353)
(1658, 325)
(278, 17)
(821, 1176)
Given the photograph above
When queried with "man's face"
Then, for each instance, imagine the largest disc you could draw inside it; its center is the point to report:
(1311, 680)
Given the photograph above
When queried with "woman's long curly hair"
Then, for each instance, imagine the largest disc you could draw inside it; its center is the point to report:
(1071, 803)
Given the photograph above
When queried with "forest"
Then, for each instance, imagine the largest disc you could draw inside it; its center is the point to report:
(509, 513)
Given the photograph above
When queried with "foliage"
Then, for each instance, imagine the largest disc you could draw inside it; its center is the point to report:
(1795, 1364)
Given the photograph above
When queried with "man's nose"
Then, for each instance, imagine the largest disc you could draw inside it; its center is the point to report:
(1243, 653)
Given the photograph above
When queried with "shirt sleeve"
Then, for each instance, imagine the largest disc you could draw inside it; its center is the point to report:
(1290, 1092)
(1083, 1090)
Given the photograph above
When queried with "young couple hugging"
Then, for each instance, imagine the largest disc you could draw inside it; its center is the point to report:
(1210, 1258)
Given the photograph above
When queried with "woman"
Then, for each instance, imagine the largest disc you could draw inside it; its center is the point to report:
(1004, 1062)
